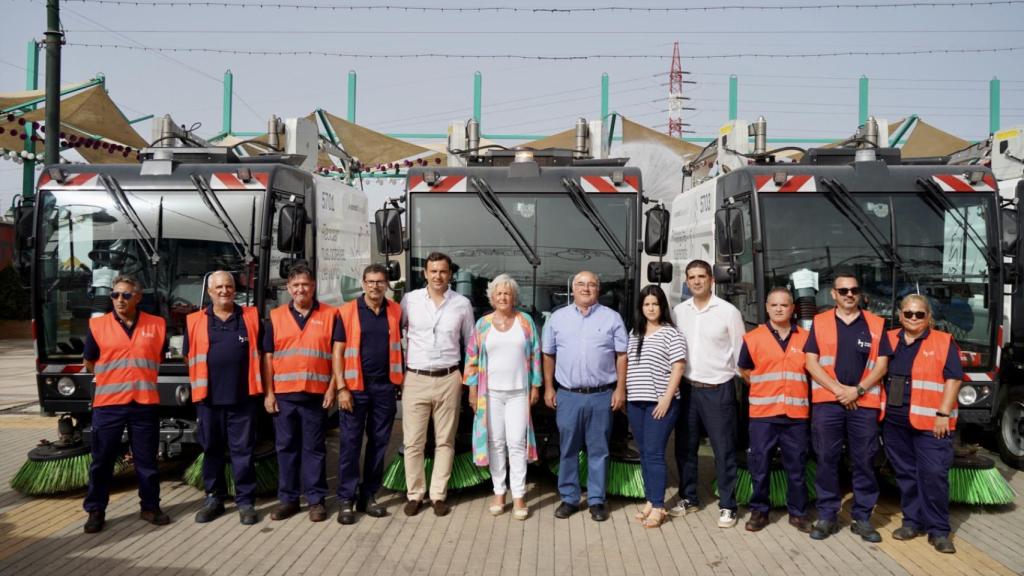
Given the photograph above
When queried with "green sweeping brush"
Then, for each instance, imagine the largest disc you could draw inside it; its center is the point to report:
(624, 478)
(53, 468)
(974, 479)
(265, 462)
(583, 471)
(465, 473)
(778, 485)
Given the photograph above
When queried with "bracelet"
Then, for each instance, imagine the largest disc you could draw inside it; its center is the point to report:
(941, 414)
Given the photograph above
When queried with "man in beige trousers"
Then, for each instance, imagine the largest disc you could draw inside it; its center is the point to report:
(438, 322)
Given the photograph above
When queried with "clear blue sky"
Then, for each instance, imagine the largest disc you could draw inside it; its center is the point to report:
(801, 97)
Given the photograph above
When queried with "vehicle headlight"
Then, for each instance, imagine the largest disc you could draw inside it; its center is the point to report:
(182, 394)
(66, 386)
(968, 395)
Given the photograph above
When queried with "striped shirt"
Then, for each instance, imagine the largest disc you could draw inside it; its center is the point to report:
(647, 376)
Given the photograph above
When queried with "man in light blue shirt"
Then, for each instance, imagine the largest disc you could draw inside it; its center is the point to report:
(584, 346)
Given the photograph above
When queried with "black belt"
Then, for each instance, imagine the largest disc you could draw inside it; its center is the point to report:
(588, 389)
(697, 384)
(435, 373)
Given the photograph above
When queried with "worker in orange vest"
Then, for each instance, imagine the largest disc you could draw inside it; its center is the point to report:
(772, 362)
(370, 373)
(920, 417)
(299, 344)
(123, 349)
(221, 345)
(846, 370)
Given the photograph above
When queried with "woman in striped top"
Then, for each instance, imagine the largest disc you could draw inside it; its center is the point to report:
(656, 359)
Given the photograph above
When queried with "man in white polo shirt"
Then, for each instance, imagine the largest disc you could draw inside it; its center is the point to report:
(438, 322)
(714, 330)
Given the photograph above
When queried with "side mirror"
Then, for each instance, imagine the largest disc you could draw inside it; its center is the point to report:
(23, 240)
(659, 272)
(656, 232)
(394, 271)
(389, 231)
(729, 232)
(726, 273)
(291, 229)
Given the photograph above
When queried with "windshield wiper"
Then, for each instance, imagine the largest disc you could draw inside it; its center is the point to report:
(589, 211)
(937, 199)
(209, 198)
(124, 206)
(841, 199)
(495, 207)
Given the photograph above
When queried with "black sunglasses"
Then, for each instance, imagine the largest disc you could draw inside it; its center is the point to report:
(844, 291)
(911, 314)
(124, 295)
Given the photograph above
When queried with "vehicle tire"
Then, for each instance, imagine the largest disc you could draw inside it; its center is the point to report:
(1010, 428)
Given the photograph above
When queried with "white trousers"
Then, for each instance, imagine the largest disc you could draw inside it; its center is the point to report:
(507, 414)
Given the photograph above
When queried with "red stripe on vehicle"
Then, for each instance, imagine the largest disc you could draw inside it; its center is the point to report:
(447, 183)
(72, 369)
(44, 179)
(600, 184)
(794, 183)
(991, 181)
(760, 181)
(230, 181)
(80, 179)
(262, 178)
(954, 182)
(415, 181)
(633, 181)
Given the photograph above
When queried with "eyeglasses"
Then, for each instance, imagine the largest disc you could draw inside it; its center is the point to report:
(121, 295)
(585, 284)
(911, 314)
(844, 291)
(375, 282)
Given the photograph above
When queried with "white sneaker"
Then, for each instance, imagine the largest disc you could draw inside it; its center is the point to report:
(683, 507)
(726, 518)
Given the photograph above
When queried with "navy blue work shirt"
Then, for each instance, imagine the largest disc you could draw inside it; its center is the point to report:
(746, 362)
(227, 358)
(901, 362)
(853, 348)
(91, 348)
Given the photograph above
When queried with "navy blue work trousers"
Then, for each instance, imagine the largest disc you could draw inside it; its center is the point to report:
(301, 447)
(712, 409)
(791, 437)
(832, 425)
(230, 428)
(108, 424)
(372, 416)
(921, 462)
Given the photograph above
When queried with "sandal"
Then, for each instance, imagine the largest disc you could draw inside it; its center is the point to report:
(644, 512)
(521, 513)
(656, 518)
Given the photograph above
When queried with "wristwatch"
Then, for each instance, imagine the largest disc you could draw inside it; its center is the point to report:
(941, 414)
(861, 391)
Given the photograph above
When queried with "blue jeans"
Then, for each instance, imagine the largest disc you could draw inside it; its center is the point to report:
(651, 436)
(583, 420)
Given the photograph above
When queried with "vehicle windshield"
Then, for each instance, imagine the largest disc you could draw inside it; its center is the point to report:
(460, 226)
(86, 242)
(941, 254)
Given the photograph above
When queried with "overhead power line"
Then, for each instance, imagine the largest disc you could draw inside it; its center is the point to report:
(542, 57)
(550, 10)
(550, 32)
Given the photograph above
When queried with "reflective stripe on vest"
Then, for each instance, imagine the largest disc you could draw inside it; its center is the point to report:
(827, 337)
(197, 325)
(353, 364)
(927, 384)
(778, 382)
(127, 368)
(302, 358)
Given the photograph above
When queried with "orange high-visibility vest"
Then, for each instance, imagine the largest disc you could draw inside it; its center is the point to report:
(302, 358)
(126, 370)
(197, 325)
(826, 335)
(927, 384)
(353, 365)
(778, 382)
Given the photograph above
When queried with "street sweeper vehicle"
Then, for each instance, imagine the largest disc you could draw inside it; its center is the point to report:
(540, 216)
(187, 209)
(901, 226)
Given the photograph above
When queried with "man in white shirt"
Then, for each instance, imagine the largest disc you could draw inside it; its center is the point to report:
(714, 330)
(438, 321)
